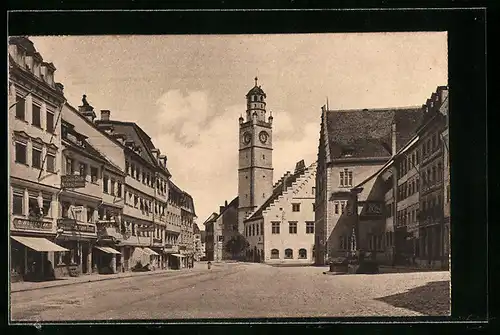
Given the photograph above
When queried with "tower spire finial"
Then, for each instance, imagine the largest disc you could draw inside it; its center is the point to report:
(256, 80)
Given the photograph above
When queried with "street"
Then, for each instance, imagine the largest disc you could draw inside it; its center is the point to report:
(239, 290)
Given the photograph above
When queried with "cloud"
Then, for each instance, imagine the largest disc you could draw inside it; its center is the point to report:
(203, 150)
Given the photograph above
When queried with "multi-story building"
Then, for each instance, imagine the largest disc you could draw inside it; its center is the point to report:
(213, 247)
(175, 258)
(432, 230)
(146, 189)
(90, 212)
(199, 243)
(34, 129)
(227, 230)
(282, 229)
(407, 194)
(188, 216)
(446, 184)
(354, 145)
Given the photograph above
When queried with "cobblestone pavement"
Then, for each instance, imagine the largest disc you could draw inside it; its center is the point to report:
(240, 290)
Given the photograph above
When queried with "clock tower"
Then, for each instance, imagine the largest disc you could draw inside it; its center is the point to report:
(255, 170)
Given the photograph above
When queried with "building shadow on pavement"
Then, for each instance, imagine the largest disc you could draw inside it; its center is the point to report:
(431, 299)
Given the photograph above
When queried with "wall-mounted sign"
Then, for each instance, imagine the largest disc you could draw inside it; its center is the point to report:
(32, 224)
(71, 225)
(72, 181)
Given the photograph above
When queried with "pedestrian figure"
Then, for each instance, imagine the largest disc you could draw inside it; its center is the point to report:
(209, 264)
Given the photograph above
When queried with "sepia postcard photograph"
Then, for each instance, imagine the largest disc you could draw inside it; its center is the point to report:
(173, 177)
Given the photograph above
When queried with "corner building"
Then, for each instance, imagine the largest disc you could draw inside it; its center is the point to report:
(354, 145)
(34, 129)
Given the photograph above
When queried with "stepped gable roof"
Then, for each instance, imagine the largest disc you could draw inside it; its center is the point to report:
(367, 133)
(277, 191)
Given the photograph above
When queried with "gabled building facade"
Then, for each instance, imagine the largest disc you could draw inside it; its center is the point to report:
(281, 231)
(354, 145)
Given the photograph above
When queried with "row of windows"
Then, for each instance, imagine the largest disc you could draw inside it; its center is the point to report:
(36, 118)
(432, 204)
(37, 159)
(292, 227)
(32, 207)
(342, 207)
(253, 229)
(432, 175)
(408, 216)
(432, 144)
(40, 70)
(408, 188)
(408, 163)
(275, 254)
(147, 178)
(83, 170)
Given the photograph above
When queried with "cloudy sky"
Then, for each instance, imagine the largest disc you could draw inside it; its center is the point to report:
(187, 92)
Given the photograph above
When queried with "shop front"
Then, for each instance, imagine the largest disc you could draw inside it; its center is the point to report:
(154, 258)
(31, 258)
(171, 261)
(105, 259)
(157, 247)
(79, 239)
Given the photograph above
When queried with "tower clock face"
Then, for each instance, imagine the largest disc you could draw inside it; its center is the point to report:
(263, 136)
(247, 138)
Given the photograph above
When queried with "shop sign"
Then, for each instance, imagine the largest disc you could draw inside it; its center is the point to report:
(172, 249)
(32, 224)
(72, 181)
(72, 225)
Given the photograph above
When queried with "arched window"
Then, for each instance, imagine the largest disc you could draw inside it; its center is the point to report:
(302, 253)
(288, 253)
(275, 254)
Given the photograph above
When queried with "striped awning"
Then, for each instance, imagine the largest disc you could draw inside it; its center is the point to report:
(108, 250)
(38, 243)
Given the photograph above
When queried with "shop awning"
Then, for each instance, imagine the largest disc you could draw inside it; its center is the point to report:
(108, 250)
(178, 255)
(38, 243)
(151, 252)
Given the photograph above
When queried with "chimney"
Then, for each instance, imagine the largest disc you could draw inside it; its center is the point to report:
(393, 138)
(225, 203)
(285, 177)
(105, 114)
(221, 208)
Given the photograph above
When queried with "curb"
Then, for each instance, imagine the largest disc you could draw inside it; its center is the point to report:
(91, 281)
